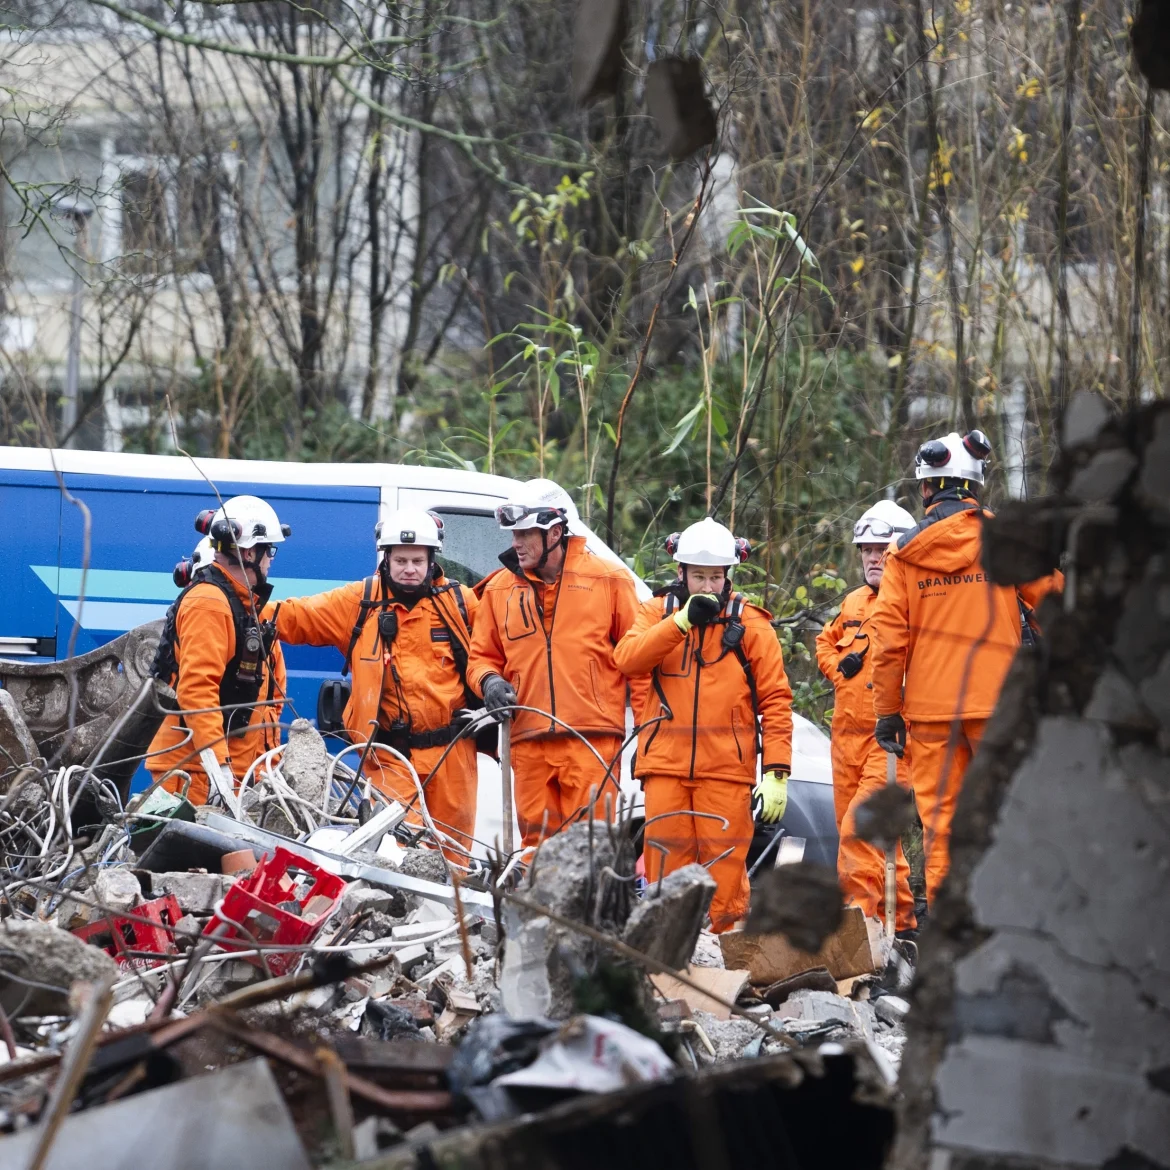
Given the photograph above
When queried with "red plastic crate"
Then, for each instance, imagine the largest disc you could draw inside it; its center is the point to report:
(116, 934)
(259, 903)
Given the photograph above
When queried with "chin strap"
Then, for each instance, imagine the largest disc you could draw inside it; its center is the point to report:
(562, 543)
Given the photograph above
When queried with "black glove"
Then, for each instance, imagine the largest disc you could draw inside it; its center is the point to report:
(498, 694)
(890, 734)
(850, 664)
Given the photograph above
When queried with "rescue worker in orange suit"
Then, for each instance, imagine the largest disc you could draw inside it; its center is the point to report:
(405, 633)
(719, 710)
(844, 654)
(548, 624)
(944, 637)
(223, 661)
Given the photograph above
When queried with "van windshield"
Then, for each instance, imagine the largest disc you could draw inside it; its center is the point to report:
(472, 543)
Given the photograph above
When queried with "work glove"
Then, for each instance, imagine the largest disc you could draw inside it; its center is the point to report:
(498, 694)
(890, 734)
(474, 718)
(772, 790)
(850, 664)
(698, 610)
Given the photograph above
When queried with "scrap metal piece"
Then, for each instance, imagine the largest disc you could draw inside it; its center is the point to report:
(678, 101)
(476, 903)
(233, 1117)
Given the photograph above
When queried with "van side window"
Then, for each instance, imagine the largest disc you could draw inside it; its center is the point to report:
(472, 543)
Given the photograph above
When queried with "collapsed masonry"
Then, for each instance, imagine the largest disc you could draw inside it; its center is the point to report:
(1040, 1035)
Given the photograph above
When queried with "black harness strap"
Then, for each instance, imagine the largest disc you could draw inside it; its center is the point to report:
(731, 643)
(240, 686)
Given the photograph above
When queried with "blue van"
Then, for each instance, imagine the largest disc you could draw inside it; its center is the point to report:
(141, 511)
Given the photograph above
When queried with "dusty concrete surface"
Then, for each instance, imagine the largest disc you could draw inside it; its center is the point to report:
(39, 962)
(1040, 1028)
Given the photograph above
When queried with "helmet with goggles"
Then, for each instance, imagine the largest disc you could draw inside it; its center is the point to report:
(882, 523)
(540, 503)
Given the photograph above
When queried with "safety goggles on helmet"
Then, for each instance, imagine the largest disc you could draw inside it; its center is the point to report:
(879, 530)
(509, 515)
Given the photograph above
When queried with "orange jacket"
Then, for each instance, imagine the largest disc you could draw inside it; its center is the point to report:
(205, 643)
(941, 628)
(710, 733)
(555, 644)
(850, 633)
(418, 683)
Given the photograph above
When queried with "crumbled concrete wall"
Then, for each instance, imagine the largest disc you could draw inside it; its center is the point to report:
(1040, 1035)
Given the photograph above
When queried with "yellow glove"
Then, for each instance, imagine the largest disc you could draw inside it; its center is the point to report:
(700, 608)
(773, 791)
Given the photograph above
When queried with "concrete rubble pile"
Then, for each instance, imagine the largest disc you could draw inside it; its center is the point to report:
(167, 946)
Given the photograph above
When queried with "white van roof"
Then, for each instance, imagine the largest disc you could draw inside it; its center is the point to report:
(182, 467)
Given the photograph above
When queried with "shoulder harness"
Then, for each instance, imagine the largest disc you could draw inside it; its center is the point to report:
(730, 643)
(239, 688)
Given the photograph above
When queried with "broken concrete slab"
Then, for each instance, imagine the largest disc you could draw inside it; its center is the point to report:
(725, 984)
(821, 1006)
(666, 923)
(196, 893)
(305, 762)
(116, 889)
(427, 864)
(892, 1009)
(43, 954)
(541, 958)
(359, 896)
(771, 957)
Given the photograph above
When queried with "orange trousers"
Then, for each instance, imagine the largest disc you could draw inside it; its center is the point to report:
(859, 770)
(938, 764)
(450, 793)
(677, 840)
(556, 778)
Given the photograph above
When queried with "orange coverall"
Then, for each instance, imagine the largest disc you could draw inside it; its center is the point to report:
(703, 755)
(859, 765)
(944, 636)
(555, 644)
(413, 681)
(204, 645)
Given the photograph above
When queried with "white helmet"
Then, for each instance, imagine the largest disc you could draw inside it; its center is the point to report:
(409, 526)
(243, 522)
(953, 457)
(707, 543)
(203, 555)
(539, 503)
(882, 523)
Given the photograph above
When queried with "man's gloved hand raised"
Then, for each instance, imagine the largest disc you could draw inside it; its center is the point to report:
(498, 694)
(890, 734)
(850, 664)
(773, 791)
(697, 610)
